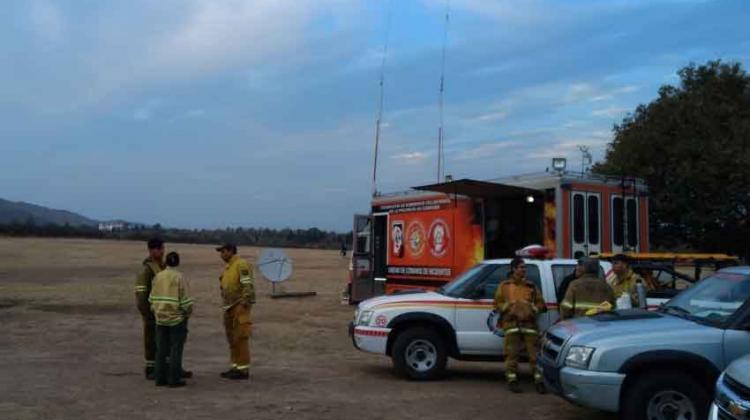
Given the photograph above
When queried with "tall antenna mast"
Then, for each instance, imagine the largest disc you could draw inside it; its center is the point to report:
(441, 131)
(380, 103)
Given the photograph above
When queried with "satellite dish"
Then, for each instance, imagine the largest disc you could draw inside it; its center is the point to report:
(275, 265)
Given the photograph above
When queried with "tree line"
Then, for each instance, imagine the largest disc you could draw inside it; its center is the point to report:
(692, 146)
(263, 237)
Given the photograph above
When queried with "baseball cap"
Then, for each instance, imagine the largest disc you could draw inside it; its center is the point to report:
(228, 246)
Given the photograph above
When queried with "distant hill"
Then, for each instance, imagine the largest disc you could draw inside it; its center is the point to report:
(20, 212)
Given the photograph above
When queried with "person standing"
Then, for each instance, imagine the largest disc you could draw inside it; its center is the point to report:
(518, 301)
(151, 266)
(626, 279)
(238, 296)
(567, 280)
(172, 306)
(587, 295)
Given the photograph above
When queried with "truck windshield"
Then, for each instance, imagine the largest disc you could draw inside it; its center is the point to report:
(713, 300)
(467, 279)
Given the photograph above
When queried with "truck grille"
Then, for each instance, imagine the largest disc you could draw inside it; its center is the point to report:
(551, 345)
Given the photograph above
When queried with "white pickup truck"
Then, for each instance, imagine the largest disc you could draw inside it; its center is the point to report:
(420, 330)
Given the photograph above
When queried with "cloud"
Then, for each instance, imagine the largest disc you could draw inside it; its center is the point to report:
(484, 151)
(47, 21)
(492, 116)
(610, 112)
(146, 111)
(410, 158)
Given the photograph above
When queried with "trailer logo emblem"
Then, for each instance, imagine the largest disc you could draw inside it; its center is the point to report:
(397, 236)
(416, 237)
(439, 238)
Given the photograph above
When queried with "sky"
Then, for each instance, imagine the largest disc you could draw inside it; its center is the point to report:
(207, 114)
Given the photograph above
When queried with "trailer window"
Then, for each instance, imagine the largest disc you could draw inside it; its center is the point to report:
(617, 222)
(578, 219)
(593, 210)
(632, 223)
(362, 244)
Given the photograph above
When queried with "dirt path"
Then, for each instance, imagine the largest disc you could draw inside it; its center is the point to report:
(70, 348)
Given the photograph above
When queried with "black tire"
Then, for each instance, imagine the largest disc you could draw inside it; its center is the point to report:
(663, 389)
(417, 343)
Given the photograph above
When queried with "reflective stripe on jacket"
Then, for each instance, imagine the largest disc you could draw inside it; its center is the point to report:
(237, 283)
(585, 294)
(170, 300)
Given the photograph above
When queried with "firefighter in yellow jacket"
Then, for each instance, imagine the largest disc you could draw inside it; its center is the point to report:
(238, 296)
(518, 301)
(626, 279)
(151, 266)
(587, 295)
(172, 305)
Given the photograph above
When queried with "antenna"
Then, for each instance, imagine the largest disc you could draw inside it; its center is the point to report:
(380, 103)
(441, 130)
(585, 158)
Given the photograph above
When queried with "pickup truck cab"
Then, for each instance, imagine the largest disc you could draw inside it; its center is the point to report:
(654, 365)
(419, 330)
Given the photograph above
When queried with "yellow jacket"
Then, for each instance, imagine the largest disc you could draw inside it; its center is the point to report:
(518, 303)
(237, 283)
(169, 298)
(587, 295)
(626, 284)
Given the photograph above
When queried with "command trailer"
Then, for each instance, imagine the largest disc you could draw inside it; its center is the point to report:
(427, 236)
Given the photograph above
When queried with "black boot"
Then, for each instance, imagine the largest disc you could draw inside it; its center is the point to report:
(238, 374)
(228, 373)
(514, 387)
(150, 375)
(186, 374)
(540, 388)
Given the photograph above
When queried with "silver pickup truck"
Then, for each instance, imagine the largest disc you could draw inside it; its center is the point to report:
(653, 365)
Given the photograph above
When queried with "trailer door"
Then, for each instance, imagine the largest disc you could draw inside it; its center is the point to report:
(362, 278)
(585, 214)
(625, 224)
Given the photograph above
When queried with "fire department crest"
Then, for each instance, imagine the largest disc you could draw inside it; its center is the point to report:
(439, 238)
(397, 239)
(416, 237)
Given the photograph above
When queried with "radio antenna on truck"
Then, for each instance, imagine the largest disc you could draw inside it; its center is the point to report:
(441, 131)
(380, 103)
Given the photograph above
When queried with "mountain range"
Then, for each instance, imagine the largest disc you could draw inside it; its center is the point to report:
(21, 212)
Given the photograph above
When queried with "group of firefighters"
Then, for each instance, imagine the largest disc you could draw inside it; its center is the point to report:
(518, 301)
(163, 299)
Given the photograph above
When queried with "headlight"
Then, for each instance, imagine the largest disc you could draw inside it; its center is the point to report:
(579, 357)
(365, 317)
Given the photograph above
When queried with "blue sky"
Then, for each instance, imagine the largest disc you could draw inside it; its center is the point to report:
(261, 113)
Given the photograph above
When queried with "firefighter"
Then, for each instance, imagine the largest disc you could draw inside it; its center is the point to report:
(625, 279)
(238, 296)
(518, 301)
(151, 266)
(172, 305)
(568, 280)
(587, 295)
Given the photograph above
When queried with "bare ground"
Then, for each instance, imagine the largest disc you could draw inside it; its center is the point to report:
(70, 347)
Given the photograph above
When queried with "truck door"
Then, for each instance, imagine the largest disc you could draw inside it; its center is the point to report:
(474, 327)
(362, 279)
(585, 214)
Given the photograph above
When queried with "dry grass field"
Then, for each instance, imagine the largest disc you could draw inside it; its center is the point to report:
(70, 347)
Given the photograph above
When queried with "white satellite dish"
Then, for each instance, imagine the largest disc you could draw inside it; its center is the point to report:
(275, 265)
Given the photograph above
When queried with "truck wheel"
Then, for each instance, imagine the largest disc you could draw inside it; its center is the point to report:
(419, 353)
(665, 396)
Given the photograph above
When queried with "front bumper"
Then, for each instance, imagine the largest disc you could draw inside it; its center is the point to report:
(369, 339)
(598, 390)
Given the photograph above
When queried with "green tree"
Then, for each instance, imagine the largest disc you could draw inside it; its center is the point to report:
(692, 146)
